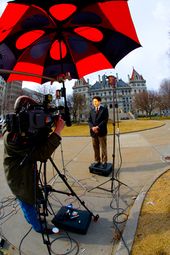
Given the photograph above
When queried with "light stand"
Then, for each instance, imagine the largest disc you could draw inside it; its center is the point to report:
(112, 81)
(67, 173)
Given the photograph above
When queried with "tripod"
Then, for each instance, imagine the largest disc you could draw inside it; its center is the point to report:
(113, 82)
(67, 173)
(46, 189)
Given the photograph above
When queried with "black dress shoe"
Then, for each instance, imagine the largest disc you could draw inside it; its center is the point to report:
(96, 164)
(104, 165)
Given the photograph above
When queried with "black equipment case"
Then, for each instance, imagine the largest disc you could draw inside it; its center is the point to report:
(72, 220)
(100, 170)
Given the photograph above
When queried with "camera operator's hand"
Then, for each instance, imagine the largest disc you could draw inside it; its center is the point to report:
(59, 125)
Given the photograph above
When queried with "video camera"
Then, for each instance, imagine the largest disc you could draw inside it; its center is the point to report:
(33, 118)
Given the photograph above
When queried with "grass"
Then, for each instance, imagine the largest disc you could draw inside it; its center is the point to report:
(152, 237)
(153, 231)
(123, 126)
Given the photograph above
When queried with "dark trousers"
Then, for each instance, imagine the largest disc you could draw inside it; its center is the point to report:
(100, 144)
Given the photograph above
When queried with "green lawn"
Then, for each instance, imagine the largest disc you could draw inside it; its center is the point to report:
(124, 127)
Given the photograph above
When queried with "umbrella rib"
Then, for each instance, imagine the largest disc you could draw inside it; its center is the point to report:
(68, 48)
(27, 74)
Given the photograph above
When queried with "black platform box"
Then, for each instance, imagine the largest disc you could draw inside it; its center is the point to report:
(100, 170)
(78, 225)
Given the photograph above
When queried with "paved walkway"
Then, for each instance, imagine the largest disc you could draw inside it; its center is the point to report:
(140, 159)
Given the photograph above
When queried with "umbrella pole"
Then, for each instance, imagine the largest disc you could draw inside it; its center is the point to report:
(67, 112)
(26, 74)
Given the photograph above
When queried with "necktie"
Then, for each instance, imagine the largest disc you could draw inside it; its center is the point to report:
(97, 110)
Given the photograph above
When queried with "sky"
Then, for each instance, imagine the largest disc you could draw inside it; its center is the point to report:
(152, 23)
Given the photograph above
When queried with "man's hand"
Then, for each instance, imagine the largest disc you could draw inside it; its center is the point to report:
(59, 125)
(95, 129)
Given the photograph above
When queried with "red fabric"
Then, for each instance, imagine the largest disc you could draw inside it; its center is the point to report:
(24, 67)
(10, 18)
(28, 38)
(118, 15)
(78, 38)
(62, 11)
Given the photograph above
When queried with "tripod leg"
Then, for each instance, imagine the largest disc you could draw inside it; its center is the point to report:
(112, 189)
(67, 172)
(71, 190)
(42, 203)
(43, 222)
(99, 186)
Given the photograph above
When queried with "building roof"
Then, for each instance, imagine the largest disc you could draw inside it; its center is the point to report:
(122, 84)
(80, 82)
(101, 85)
(136, 76)
(97, 85)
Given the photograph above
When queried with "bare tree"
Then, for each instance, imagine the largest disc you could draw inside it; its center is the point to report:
(70, 104)
(70, 101)
(164, 91)
(77, 104)
(145, 102)
(160, 104)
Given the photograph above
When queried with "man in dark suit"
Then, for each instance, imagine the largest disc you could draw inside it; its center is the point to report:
(98, 119)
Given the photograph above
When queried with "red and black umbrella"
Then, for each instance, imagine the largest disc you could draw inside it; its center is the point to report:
(40, 38)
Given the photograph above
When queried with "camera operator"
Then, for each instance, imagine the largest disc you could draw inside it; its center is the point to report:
(21, 153)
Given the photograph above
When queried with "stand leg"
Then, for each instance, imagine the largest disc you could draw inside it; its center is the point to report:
(42, 215)
(72, 191)
(109, 190)
(67, 173)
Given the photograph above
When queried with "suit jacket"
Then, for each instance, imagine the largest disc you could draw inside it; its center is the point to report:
(99, 119)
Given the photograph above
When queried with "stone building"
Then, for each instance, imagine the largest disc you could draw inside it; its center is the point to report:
(137, 82)
(9, 93)
(121, 95)
(2, 87)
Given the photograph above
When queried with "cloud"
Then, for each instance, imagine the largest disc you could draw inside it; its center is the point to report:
(162, 11)
(3, 5)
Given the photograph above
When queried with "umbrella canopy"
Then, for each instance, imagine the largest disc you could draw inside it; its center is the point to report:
(48, 38)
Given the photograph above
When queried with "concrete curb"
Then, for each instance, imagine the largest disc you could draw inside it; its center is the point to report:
(125, 245)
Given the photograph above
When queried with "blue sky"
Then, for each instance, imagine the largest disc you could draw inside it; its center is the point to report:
(152, 23)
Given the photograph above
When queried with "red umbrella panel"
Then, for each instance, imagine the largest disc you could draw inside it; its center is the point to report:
(50, 39)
